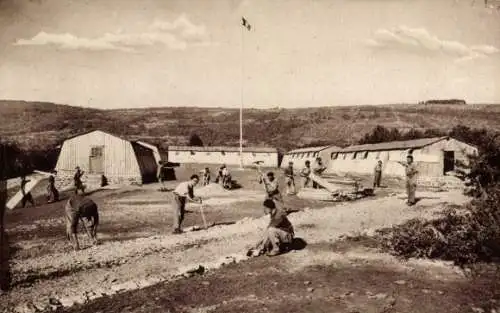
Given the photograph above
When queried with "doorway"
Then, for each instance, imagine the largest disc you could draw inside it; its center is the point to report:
(96, 160)
(449, 161)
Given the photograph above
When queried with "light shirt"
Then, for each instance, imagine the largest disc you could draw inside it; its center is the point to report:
(184, 189)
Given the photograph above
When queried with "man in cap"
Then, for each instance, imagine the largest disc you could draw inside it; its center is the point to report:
(304, 173)
(411, 179)
(378, 174)
(290, 179)
(77, 208)
(318, 169)
(278, 236)
(78, 180)
(183, 193)
(27, 196)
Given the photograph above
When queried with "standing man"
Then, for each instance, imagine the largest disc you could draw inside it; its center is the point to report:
(272, 188)
(378, 174)
(226, 178)
(184, 192)
(206, 176)
(411, 179)
(318, 169)
(161, 175)
(52, 192)
(304, 173)
(27, 197)
(78, 180)
(290, 179)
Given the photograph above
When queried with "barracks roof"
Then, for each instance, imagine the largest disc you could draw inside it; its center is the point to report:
(394, 145)
(222, 148)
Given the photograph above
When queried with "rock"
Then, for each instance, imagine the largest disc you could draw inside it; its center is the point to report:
(205, 283)
(25, 308)
(307, 283)
(400, 282)
(54, 301)
(426, 291)
(477, 310)
(378, 296)
(310, 289)
(391, 301)
(66, 301)
(440, 292)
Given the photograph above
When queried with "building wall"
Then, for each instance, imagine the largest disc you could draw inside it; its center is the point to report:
(429, 160)
(229, 158)
(299, 158)
(120, 163)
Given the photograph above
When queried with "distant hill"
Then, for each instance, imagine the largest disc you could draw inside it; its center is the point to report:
(37, 125)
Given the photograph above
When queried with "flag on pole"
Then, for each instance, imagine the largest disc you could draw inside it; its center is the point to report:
(245, 23)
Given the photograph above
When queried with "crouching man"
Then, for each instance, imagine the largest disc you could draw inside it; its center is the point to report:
(79, 208)
(278, 236)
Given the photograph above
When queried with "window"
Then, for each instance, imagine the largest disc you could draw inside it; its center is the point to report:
(345, 155)
(354, 155)
(377, 156)
(96, 151)
(334, 155)
(254, 154)
(365, 156)
(177, 152)
(193, 153)
(316, 154)
(208, 153)
(223, 152)
(308, 154)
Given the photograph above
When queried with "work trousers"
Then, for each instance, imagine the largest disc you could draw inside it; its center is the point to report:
(290, 186)
(275, 239)
(377, 179)
(305, 182)
(179, 210)
(411, 187)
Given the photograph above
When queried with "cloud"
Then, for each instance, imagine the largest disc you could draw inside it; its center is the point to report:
(420, 40)
(177, 35)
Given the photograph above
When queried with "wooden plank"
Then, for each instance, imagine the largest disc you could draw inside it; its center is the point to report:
(14, 201)
(323, 183)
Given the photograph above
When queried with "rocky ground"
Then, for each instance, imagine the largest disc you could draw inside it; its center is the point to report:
(141, 267)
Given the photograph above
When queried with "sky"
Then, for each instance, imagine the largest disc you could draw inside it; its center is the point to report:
(298, 53)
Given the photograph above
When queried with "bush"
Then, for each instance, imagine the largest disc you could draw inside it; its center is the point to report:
(463, 236)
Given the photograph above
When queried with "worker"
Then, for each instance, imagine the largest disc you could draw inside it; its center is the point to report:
(27, 197)
(184, 192)
(226, 178)
(278, 236)
(52, 192)
(77, 208)
(411, 179)
(290, 179)
(219, 178)
(304, 173)
(272, 188)
(206, 176)
(378, 174)
(160, 174)
(318, 169)
(78, 180)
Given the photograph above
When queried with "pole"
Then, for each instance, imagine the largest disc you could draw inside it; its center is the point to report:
(241, 95)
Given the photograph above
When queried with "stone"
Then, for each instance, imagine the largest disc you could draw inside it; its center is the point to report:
(310, 289)
(426, 291)
(66, 301)
(205, 283)
(307, 283)
(378, 296)
(477, 310)
(400, 282)
(25, 308)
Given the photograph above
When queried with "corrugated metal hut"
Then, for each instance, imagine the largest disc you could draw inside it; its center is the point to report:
(300, 156)
(226, 155)
(99, 153)
(434, 157)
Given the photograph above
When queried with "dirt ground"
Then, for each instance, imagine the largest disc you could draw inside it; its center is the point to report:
(138, 266)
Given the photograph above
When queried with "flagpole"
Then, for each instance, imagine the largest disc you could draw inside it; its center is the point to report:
(241, 95)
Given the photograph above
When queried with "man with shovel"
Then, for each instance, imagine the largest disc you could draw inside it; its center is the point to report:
(183, 193)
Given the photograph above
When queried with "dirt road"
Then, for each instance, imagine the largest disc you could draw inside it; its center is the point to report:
(141, 261)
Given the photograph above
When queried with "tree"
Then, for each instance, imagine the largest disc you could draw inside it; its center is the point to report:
(195, 141)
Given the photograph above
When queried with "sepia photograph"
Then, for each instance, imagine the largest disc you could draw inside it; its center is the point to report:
(245, 156)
